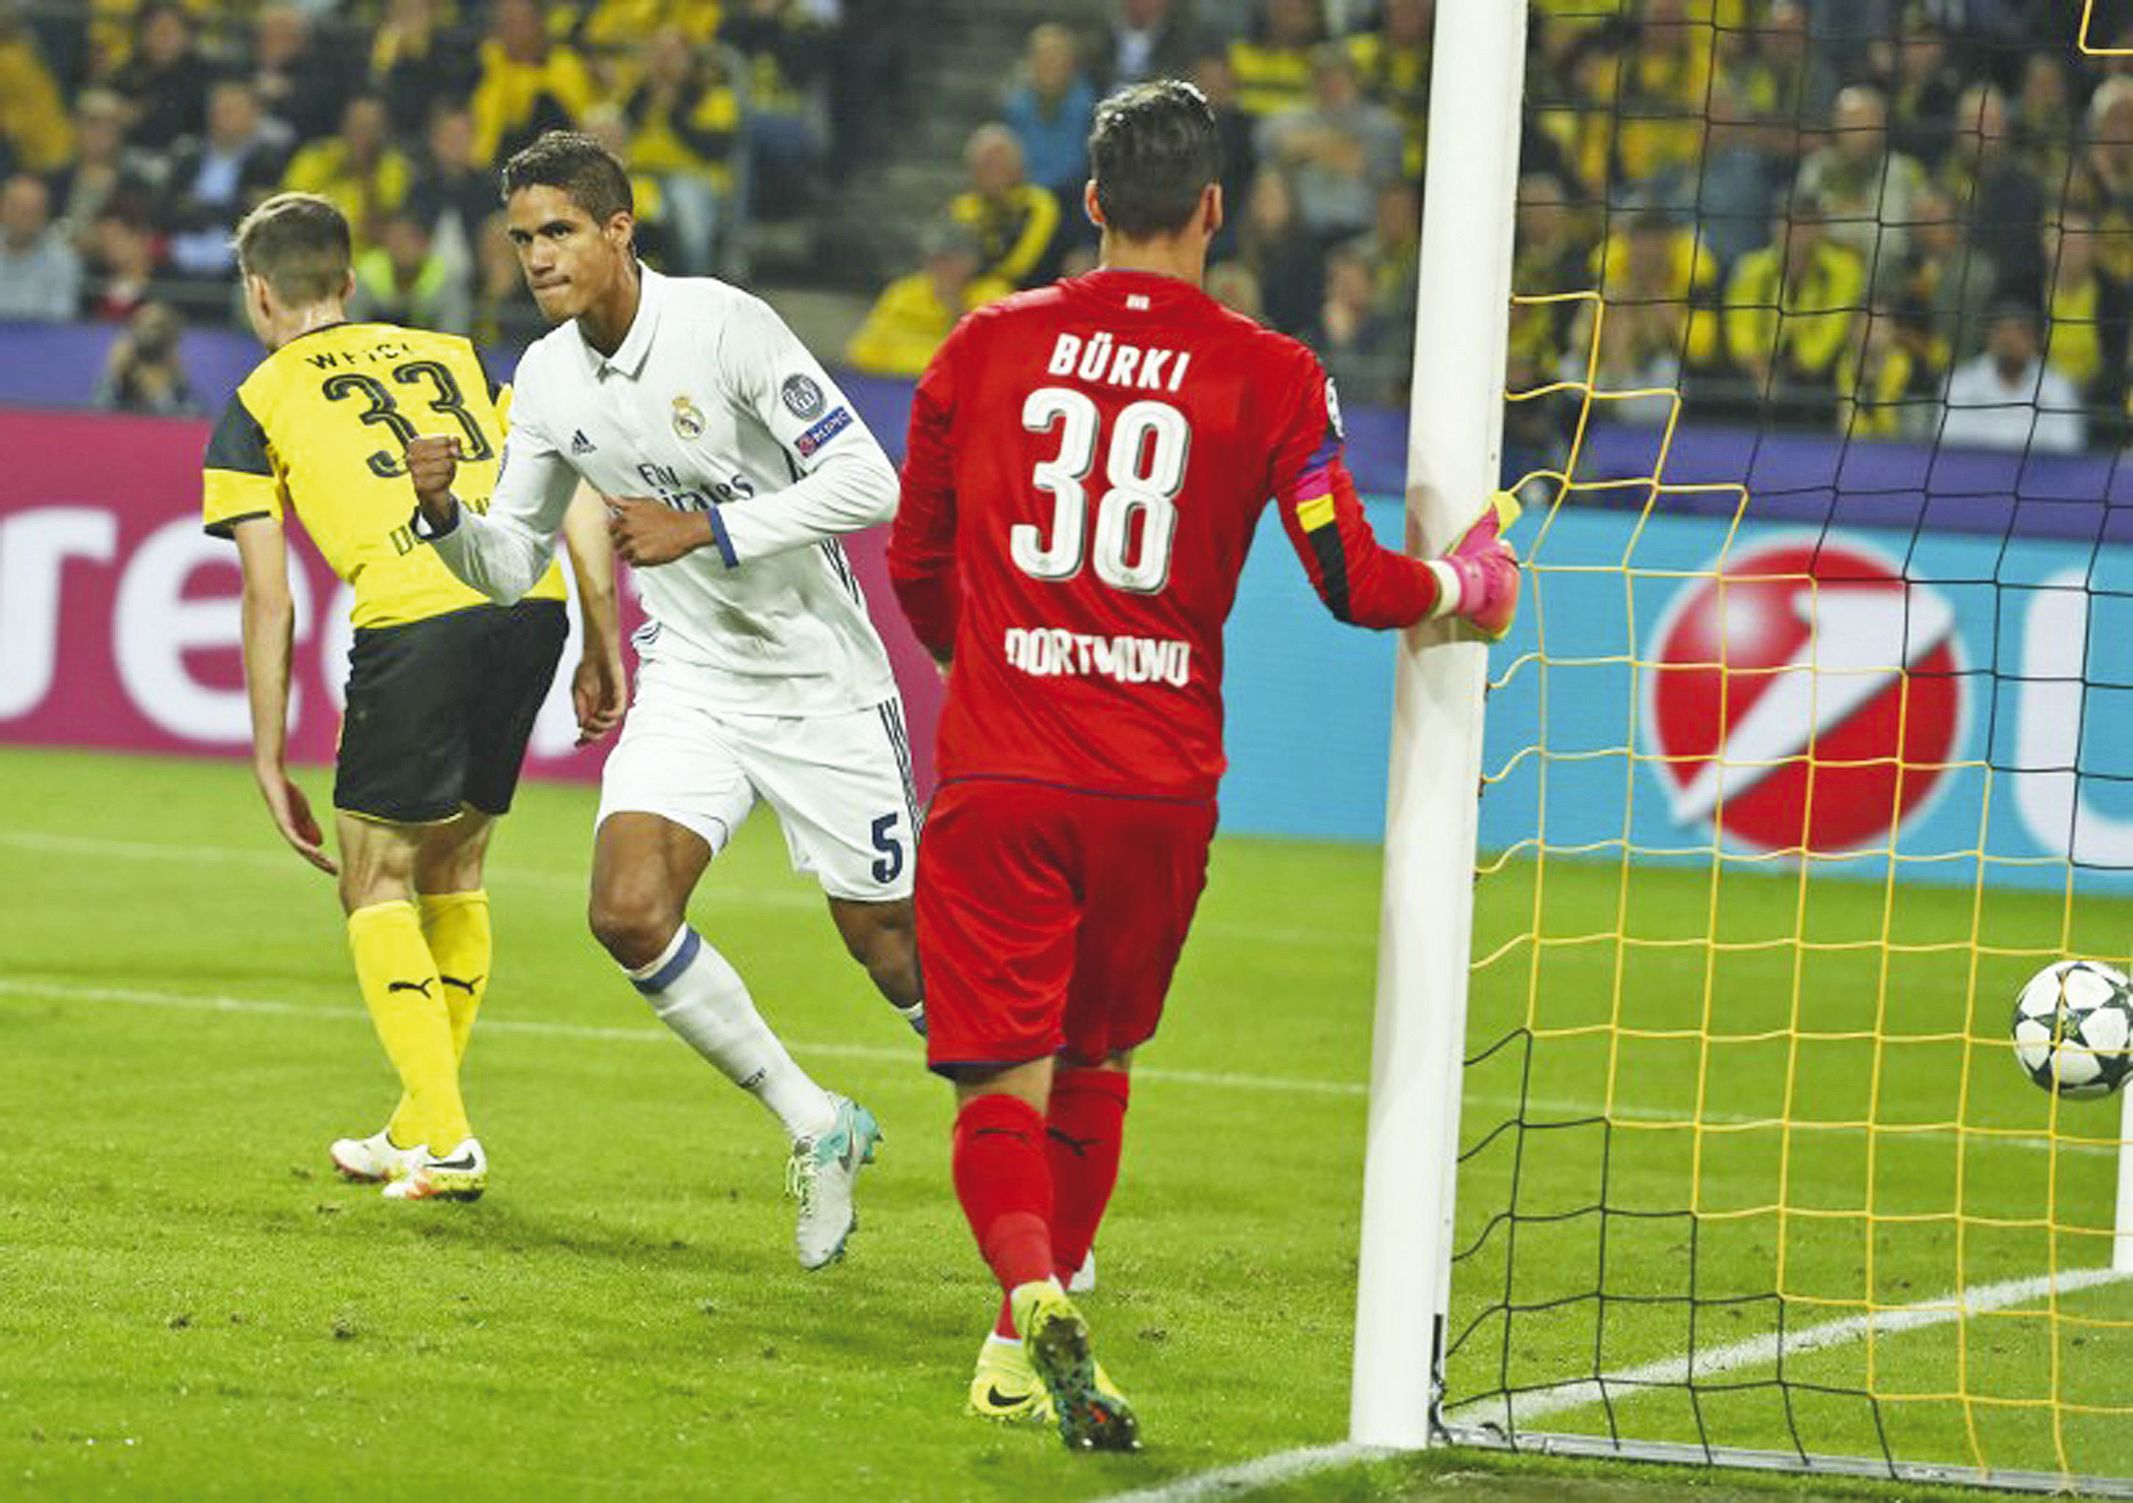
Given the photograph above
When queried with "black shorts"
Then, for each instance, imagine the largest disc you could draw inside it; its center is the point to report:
(439, 711)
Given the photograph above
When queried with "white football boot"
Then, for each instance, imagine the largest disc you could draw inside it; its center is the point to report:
(820, 1176)
(461, 1174)
(376, 1158)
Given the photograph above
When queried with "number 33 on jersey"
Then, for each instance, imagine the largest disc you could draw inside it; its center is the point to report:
(1086, 468)
(323, 423)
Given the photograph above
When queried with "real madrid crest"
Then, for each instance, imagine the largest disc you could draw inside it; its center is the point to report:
(688, 418)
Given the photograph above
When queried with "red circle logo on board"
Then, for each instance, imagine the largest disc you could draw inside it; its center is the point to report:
(1806, 697)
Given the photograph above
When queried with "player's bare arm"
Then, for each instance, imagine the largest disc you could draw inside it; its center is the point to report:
(269, 632)
(648, 533)
(599, 686)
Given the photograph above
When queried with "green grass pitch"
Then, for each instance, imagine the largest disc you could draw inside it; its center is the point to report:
(195, 1308)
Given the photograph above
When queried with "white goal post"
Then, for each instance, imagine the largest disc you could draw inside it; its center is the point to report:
(1454, 444)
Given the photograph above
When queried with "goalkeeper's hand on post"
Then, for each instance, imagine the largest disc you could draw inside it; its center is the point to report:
(1477, 580)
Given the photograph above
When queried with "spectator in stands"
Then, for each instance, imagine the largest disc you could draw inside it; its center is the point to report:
(2076, 312)
(122, 267)
(1338, 151)
(2102, 180)
(1792, 309)
(1365, 353)
(1553, 255)
(786, 45)
(529, 84)
(1657, 271)
(2007, 398)
(2044, 117)
(653, 234)
(103, 167)
(504, 310)
(1868, 190)
(164, 83)
(1273, 62)
(1147, 39)
(1881, 397)
(215, 180)
(1234, 130)
(453, 195)
(684, 129)
(1993, 189)
(1016, 222)
(1944, 290)
(360, 169)
(298, 83)
(1392, 61)
(419, 64)
(1665, 85)
(143, 372)
(1232, 284)
(1276, 249)
(915, 313)
(403, 280)
(40, 276)
(1050, 111)
(35, 134)
(1923, 87)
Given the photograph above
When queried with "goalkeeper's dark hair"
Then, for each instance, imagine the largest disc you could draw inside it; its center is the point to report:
(1153, 152)
(298, 243)
(574, 162)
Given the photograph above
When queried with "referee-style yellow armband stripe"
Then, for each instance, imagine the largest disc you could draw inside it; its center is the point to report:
(1315, 513)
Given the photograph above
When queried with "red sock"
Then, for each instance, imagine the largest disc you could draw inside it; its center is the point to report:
(1082, 1141)
(1085, 1134)
(1005, 1184)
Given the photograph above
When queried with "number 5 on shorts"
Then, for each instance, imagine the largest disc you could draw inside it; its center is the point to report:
(891, 863)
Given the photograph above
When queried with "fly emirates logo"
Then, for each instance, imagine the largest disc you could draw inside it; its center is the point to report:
(1050, 652)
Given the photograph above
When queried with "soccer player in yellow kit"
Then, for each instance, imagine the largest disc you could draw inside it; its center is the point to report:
(443, 686)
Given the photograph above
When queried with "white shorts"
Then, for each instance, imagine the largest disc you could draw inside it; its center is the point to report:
(841, 784)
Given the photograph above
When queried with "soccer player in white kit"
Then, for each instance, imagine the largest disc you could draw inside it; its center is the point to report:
(732, 465)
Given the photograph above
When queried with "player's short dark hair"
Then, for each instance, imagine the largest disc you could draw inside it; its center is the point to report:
(299, 243)
(574, 162)
(1153, 151)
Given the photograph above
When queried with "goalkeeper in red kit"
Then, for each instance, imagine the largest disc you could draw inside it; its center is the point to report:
(1087, 464)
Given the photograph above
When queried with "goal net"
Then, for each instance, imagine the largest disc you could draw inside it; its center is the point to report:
(1814, 743)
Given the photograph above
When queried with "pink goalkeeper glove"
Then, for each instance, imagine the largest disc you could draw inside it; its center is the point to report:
(1478, 580)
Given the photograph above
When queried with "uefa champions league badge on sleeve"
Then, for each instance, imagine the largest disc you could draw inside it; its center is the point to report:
(688, 418)
(802, 397)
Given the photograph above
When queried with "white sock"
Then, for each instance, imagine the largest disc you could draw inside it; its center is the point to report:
(697, 993)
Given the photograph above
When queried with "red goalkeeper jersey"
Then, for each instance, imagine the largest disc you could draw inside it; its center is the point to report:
(1086, 468)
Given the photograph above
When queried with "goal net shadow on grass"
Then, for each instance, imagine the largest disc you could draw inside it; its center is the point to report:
(1801, 761)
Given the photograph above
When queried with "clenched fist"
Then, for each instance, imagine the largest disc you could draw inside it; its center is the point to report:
(432, 461)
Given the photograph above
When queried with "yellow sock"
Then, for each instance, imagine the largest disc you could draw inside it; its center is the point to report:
(402, 990)
(456, 927)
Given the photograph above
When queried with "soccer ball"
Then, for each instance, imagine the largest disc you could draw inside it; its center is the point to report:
(2073, 1029)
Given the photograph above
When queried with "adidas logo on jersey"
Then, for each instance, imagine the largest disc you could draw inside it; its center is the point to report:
(579, 443)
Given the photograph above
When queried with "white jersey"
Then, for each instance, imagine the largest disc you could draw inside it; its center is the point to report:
(711, 404)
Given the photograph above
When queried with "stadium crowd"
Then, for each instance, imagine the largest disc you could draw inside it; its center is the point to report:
(1901, 219)
(134, 134)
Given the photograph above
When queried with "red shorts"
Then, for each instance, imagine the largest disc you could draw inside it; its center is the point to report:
(1050, 921)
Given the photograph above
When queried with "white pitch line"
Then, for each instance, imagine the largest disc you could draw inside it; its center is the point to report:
(716, 894)
(1284, 1466)
(66, 991)
(1250, 1476)
(1628, 1382)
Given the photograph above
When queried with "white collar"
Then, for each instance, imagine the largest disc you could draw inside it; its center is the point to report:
(636, 346)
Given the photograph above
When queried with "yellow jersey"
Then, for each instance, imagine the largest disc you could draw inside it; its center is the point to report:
(321, 427)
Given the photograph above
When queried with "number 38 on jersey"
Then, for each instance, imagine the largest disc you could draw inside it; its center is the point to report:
(1136, 514)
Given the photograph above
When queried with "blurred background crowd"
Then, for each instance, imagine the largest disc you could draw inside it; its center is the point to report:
(1901, 218)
